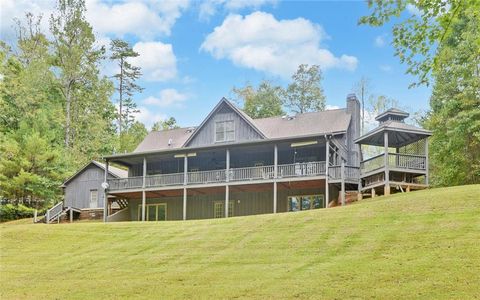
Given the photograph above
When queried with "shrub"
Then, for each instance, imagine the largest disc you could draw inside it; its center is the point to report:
(10, 212)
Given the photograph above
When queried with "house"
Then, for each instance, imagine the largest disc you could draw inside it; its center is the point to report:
(233, 165)
(83, 191)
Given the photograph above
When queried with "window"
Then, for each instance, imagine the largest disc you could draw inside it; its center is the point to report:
(153, 212)
(93, 198)
(296, 203)
(224, 131)
(219, 209)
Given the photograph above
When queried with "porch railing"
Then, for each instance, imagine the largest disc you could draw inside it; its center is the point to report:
(351, 173)
(212, 176)
(125, 183)
(301, 169)
(373, 163)
(164, 179)
(218, 176)
(407, 161)
(395, 160)
(252, 173)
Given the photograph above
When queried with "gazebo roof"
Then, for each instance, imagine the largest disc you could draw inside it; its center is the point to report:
(399, 134)
(392, 112)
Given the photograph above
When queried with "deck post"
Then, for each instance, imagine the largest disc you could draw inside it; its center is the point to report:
(343, 182)
(144, 200)
(71, 215)
(426, 161)
(327, 162)
(105, 194)
(227, 196)
(373, 193)
(386, 190)
(185, 182)
(184, 203)
(227, 163)
(275, 176)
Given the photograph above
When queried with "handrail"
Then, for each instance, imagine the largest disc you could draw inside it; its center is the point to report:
(53, 212)
(125, 183)
(210, 176)
(373, 157)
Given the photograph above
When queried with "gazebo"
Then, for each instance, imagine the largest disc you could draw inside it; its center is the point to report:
(402, 164)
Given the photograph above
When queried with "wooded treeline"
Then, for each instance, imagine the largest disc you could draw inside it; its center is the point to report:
(56, 112)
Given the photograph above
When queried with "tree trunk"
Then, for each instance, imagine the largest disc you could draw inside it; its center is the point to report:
(120, 104)
(67, 121)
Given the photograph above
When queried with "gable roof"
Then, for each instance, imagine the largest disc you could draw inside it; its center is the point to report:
(158, 140)
(241, 113)
(320, 122)
(115, 172)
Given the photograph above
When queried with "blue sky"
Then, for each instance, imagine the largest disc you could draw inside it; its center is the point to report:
(193, 53)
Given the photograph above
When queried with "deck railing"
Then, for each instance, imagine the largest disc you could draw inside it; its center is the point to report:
(252, 173)
(212, 176)
(301, 169)
(395, 160)
(351, 173)
(373, 163)
(125, 183)
(164, 179)
(407, 161)
(219, 176)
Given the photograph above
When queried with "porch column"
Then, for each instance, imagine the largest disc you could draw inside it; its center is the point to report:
(275, 175)
(426, 161)
(144, 200)
(185, 182)
(327, 153)
(227, 196)
(105, 194)
(184, 203)
(227, 165)
(343, 182)
(386, 190)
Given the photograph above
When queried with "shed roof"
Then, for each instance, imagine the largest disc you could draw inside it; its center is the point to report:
(115, 172)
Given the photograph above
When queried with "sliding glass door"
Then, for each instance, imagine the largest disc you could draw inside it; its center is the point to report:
(307, 202)
(154, 212)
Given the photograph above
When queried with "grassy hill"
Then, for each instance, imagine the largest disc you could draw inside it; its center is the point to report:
(423, 244)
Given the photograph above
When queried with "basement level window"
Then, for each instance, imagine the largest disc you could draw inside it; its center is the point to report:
(224, 131)
(296, 203)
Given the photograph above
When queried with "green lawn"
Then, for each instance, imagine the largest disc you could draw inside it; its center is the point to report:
(423, 244)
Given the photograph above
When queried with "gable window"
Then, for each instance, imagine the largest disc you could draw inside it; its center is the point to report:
(224, 131)
(93, 198)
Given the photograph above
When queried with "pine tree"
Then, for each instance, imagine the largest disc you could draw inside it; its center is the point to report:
(126, 83)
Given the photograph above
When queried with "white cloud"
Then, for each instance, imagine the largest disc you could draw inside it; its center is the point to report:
(157, 60)
(16, 9)
(259, 41)
(148, 117)
(145, 19)
(167, 97)
(380, 41)
(209, 8)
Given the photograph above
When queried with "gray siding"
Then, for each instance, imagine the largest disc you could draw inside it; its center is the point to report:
(245, 203)
(206, 135)
(77, 191)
